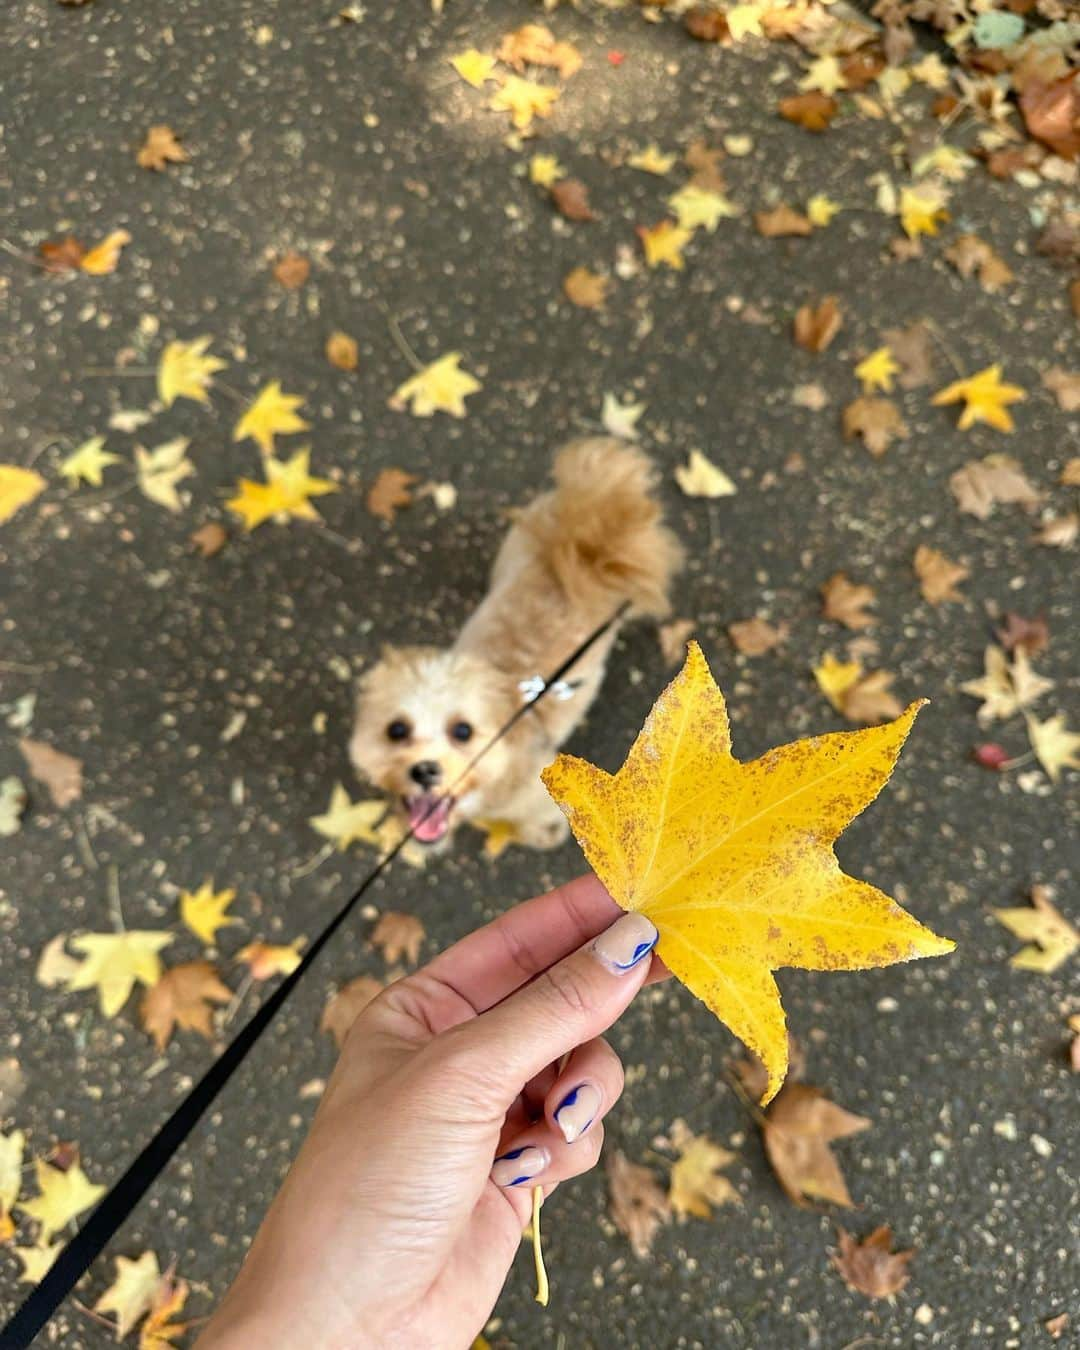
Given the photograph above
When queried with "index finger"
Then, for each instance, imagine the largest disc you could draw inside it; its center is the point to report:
(490, 964)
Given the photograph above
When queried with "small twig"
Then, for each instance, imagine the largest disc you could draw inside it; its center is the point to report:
(353, 546)
(238, 998)
(21, 668)
(947, 352)
(94, 1316)
(18, 253)
(88, 503)
(542, 1288)
(82, 835)
(100, 372)
(399, 339)
(112, 881)
(232, 393)
(313, 864)
(42, 449)
(748, 1104)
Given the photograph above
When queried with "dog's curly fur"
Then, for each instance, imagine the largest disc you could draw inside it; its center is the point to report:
(569, 559)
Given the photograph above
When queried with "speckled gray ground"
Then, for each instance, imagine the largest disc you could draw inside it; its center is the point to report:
(357, 146)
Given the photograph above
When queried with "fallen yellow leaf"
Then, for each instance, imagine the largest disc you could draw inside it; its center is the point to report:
(107, 254)
(112, 962)
(474, 66)
(545, 170)
(273, 413)
(286, 493)
(700, 477)
(346, 821)
(18, 487)
(664, 243)
(1052, 937)
(651, 160)
(985, 398)
(64, 1195)
(264, 960)
(733, 862)
(877, 370)
(11, 1161)
(921, 212)
(131, 1294)
(696, 207)
(524, 100)
(88, 462)
(204, 911)
(186, 370)
(439, 387)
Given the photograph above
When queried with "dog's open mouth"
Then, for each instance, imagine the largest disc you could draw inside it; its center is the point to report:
(429, 816)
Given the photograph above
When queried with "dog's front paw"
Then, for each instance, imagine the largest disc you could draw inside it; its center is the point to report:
(548, 833)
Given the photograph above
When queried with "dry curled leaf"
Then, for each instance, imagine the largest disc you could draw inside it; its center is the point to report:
(638, 1203)
(707, 25)
(938, 575)
(342, 351)
(733, 862)
(876, 420)
(971, 255)
(817, 325)
(291, 271)
(346, 1006)
(209, 539)
(265, 960)
(63, 255)
(871, 1267)
(845, 601)
(672, 638)
(756, 636)
(1032, 635)
(1059, 531)
(398, 935)
(813, 111)
(61, 774)
(161, 148)
(1065, 386)
(912, 347)
(535, 45)
(571, 199)
(391, 490)
(781, 222)
(183, 997)
(703, 160)
(870, 699)
(799, 1127)
(587, 290)
(1052, 114)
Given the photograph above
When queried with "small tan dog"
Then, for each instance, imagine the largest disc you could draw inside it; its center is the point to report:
(571, 557)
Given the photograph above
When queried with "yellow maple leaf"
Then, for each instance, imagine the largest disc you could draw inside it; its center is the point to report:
(835, 678)
(11, 1160)
(107, 254)
(1052, 938)
(158, 471)
(18, 487)
(985, 398)
(286, 493)
(651, 160)
(37, 1261)
(733, 862)
(696, 1184)
(439, 387)
(664, 243)
(952, 164)
(1055, 746)
(499, 835)
(204, 911)
(524, 100)
(131, 1294)
(745, 20)
(820, 210)
(64, 1195)
(825, 74)
(696, 207)
(265, 960)
(921, 212)
(876, 371)
(87, 463)
(112, 962)
(545, 170)
(273, 413)
(700, 477)
(346, 821)
(474, 66)
(186, 370)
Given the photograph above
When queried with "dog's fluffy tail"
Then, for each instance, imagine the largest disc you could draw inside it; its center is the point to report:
(601, 531)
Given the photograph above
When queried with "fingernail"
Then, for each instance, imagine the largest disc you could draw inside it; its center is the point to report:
(628, 941)
(519, 1165)
(577, 1111)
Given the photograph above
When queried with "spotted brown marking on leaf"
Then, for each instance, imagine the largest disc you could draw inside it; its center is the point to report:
(733, 862)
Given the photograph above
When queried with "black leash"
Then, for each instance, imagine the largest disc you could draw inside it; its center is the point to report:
(87, 1244)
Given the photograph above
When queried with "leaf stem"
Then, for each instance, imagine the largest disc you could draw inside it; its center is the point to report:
(399, 340)
(542, 1287)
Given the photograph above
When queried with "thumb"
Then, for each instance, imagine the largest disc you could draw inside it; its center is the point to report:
(564, 1006)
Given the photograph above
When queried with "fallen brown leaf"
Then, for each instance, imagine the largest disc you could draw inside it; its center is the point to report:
(160, 148)
(844, 601)
(1032, 635)
(1065, 386)
(983, 483)
(869, 700)
(781, 221)
(877, 420)
(756, 636)
(61, 774)
(938, 576)
(291, 271)
(1054, 1326)
(812, 111)
(587, 290)
(533, 44)
(870, 1267)
(799, 1127)
(754, 1076)
(390, 490)
(1059, 531)
(672, 638)
(638, 1204)
(1070, 474)
(1060, 238)
(707, 25)
(862, 68)
(969, 254)
(183, 998)
(346, 1006)
(209, 539)
(817, 325)
(912, 350)
(66, 255)
(398, 935)
(342, 351)
(571, 199)
(703, 160)
(1052, 114)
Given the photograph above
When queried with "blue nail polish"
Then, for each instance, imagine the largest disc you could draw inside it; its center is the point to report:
(577, 1111)
(519, 1165)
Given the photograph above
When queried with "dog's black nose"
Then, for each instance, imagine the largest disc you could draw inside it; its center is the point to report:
(426, 773)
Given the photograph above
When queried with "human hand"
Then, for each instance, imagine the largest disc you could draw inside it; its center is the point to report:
(402, 1214)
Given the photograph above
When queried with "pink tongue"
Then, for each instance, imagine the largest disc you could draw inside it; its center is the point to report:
(429, 817)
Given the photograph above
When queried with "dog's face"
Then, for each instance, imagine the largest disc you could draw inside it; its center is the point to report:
(422, 716)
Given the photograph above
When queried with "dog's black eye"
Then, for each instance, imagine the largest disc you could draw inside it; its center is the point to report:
(461, 731)
(398, 730)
